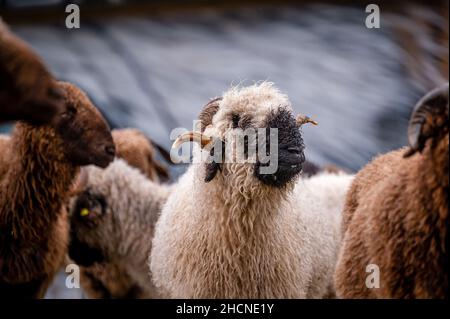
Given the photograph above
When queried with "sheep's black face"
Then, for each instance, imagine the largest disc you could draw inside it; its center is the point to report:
(86, 214)
(289, 153)
(85, 133)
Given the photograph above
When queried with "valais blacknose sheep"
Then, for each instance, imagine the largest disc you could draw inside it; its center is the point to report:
(230, 230)
(396, 215)
(110, 279)
(113, 223)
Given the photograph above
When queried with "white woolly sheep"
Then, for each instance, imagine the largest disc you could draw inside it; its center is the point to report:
(229, 231)
(113, 219)
(108, 280)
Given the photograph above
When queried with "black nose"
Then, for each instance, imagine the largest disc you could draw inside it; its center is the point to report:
(295, 150)
(110, 150)
(291, 155)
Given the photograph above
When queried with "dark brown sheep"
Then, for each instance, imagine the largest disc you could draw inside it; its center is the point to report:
(28, 91)
(396, 214)
(44, 162)
(107, 280)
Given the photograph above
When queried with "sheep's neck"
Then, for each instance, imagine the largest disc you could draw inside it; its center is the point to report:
(432, 175)
(241, 217)
(432, 172)
(36, 184)
(136, 244)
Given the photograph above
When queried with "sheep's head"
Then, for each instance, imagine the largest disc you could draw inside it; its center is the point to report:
(93, 226)
(92, 218)
(429, 120)
(258, 115)
(28, 91)
(104, 210)
(87, 211)
(85, 135)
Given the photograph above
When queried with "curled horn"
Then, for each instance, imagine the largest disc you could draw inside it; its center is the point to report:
(208, 112)
(303, 119)
(202, 139)
(432, 103)
(205, 117)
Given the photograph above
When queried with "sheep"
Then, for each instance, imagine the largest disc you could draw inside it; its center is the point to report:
(310, 169)
(139, 151)
(111, 280)
(396, 215)
(28, 90)
(108, 280)
(112, 224)
(44, 161)
(229, 231)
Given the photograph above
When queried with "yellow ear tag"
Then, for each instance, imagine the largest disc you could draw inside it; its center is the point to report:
(84, 212)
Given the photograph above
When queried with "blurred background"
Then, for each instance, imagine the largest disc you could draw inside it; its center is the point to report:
(153, 64)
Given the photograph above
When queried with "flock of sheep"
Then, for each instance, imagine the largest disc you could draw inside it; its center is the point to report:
(72, 191)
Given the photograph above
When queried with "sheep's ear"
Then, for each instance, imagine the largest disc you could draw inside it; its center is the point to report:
(211, 170)
(205, 117)
(208, 112)
(422, 124)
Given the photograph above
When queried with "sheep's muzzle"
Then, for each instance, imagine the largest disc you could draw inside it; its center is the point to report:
(289, 155)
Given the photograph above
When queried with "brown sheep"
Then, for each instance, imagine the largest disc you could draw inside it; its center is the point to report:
(28, 91)
(396, 214)
(107, 280)
(44, 162)
(139, 151)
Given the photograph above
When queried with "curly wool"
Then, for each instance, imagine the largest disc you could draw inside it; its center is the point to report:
(108, 279)
(396, 217)
(235, 237)
(124, 232)
(41, 169)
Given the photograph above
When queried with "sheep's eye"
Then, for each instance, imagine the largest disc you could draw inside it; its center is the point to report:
(235, 118)
(84, 212)
(70, 111)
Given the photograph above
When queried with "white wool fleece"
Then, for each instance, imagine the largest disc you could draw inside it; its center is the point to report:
(125, 231)
(282, 249)
(235, 237)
